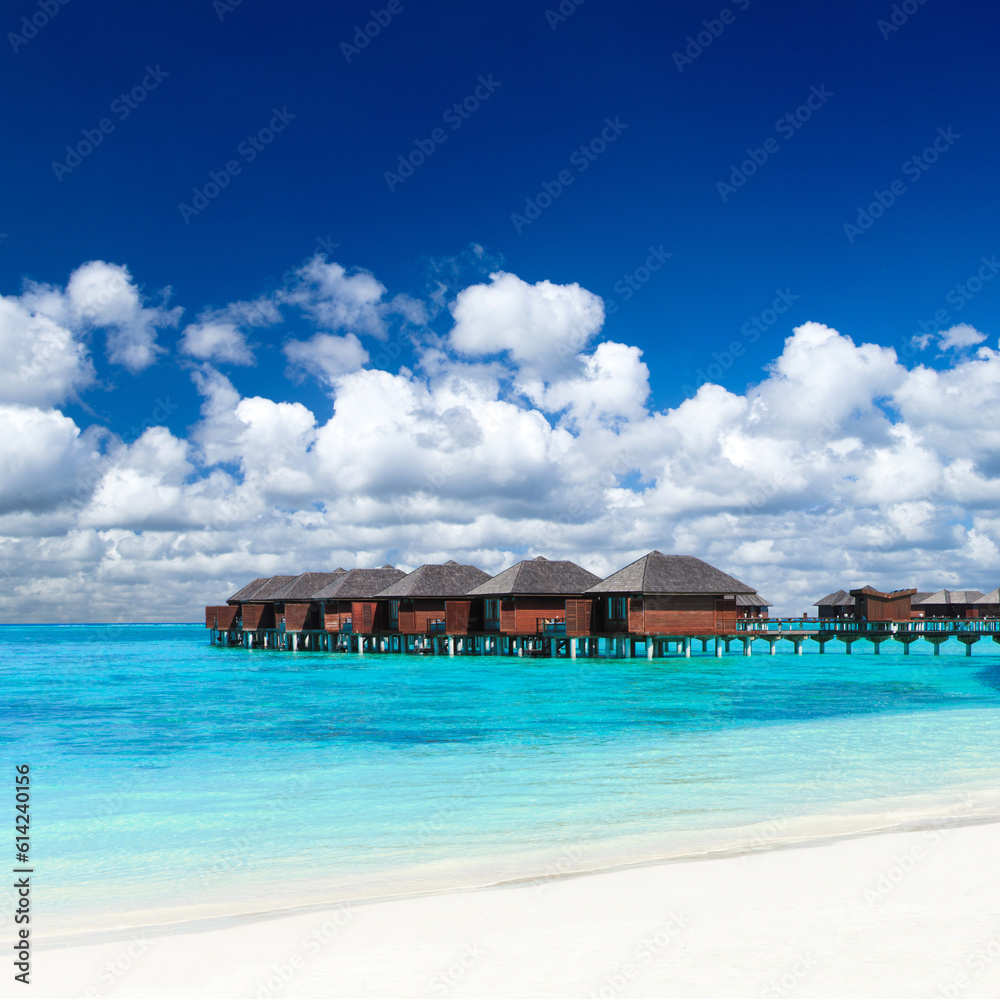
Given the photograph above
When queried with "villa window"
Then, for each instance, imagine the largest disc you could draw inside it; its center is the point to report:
(393, 613)
(492, 610)
(617, 608)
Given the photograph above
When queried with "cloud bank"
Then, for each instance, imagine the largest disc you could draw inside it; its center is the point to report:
(517, 431)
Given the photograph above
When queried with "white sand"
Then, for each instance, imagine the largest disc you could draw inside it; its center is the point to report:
(899, 915)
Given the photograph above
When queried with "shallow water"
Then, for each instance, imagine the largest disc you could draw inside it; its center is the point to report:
(171, 779)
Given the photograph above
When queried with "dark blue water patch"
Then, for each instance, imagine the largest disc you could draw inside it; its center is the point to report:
(989, 676)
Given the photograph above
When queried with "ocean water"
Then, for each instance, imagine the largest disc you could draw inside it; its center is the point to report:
(172, 780)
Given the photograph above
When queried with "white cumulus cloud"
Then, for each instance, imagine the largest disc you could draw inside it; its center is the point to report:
(539, 325)
(514, 433)
(326, 356)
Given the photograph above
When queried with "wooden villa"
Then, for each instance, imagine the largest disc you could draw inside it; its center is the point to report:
(667, 595)
(874, 605)
(537, 598)
(988, 605)
(296, 602)
(869, 604)
(839, 604)
(957, 604)
(434, 600)
(752, 606)
(349, 603)
(256, 607)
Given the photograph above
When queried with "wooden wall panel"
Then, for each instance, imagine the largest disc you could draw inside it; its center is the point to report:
(680, 622)
(334, 620)
(415, 615)
(877, 609)
(423, 616)
(579, 614)
(508, 617)
(210, 616)
(725, 615)
(251, 616)
(295, 616)
(226, 616)
(365, 618)
(635, 612)
(528, 609)
(682, 615)
(457, 613)
(331, 615)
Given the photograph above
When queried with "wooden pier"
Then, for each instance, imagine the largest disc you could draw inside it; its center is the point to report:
(765, 633)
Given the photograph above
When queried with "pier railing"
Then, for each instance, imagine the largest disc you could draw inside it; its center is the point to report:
(919, 626)
(551, 626)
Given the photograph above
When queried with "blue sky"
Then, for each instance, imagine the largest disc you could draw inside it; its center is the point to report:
(737, 167)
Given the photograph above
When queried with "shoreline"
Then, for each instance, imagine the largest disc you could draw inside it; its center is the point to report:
(739, 849)
(899, 913)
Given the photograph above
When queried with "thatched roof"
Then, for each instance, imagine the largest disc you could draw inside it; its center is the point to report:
(262, 592)
(359, 584)
(448, 580)
(754, 600)
(670, 574)
(949, 597)
(839, 598)
(537, 575)
(993, 597)
(245, 592)
(304, 586)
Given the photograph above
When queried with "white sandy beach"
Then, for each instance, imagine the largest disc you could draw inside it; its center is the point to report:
(895, 915)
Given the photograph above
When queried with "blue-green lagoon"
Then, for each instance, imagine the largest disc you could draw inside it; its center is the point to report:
(174, 780)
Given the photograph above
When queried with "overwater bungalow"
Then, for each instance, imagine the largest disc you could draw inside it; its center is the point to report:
(433, 599)
(875, 605)
(752, 606)
(667, 595)
(915, 611)
(349, 604)
(989, 605)
(839, 604)
(296, 601)
(957, 604)
(256, 606)
(538, 596)
(245, 592)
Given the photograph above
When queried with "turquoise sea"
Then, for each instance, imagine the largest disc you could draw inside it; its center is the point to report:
(173, 780)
